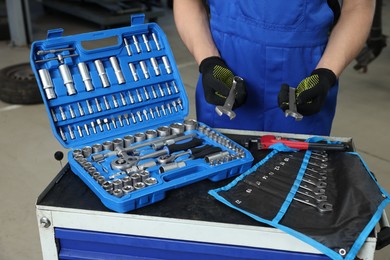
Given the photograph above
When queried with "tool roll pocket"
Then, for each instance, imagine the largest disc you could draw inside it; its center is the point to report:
(264, 190)
(329, 200)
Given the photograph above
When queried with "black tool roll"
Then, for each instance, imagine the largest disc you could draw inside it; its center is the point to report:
(327, 199)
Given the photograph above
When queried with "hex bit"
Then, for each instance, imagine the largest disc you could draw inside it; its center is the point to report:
(86, 129)
(80, 131)
(106, 103)
(105, 121)
(138, 96)
(133, 71)
(126, 117)
(133, 118)
(123, 99)
(136, 44)
(99, 108)
(100, 124)
(131, 97)
(155, 39)
(115, 101)
(146, 42)
(62, 134)
(62, 113)
(127, 46)
(146, 94)
(71, 134)
(90, 110)
(154, 92)
(81, 110)
(93, 126)
(175, 87)
(168, 89)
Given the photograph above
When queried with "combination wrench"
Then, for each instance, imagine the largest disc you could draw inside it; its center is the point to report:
(318, 184)
(292, 106)
(229, 103)
(317, 198)
(322, 206)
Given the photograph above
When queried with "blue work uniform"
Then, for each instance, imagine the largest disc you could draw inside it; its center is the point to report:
(267, 43)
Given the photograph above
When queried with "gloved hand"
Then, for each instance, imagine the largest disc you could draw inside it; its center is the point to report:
(217, 80)
(310, 93)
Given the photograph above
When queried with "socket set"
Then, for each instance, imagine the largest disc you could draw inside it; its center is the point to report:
(121, 109)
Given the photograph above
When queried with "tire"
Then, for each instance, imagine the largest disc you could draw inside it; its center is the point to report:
(18, 85)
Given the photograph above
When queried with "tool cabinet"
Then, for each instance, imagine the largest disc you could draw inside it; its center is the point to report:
(187, 224)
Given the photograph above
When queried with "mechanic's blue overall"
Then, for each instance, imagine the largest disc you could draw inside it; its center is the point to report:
(267, 43)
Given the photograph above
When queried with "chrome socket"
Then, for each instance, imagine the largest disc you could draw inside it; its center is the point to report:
(133, 71)
(155, 66)
(102, 73)
(167, 65)
(139, 137)
(190, 124)
(171, 166)
(117, 193)
(117, 70)
(86, 77)
(67, 78)
(97, 148)
(117, 184)
(127, 189)
(150, 134)
(163, 131)
(47, 83)
(177, 128)
(128, 140)
(87, 151)
(139, 185)
(150, 181)
(108, 145)
(144, 69)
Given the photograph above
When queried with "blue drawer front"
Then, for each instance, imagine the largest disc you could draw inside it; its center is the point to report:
(77, 244)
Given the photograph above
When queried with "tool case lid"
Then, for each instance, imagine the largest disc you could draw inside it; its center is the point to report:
(167, 85)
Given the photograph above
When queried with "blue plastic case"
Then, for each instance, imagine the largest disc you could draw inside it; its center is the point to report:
(114, 104)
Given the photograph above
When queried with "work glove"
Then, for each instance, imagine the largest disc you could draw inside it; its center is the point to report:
(310, 93)
(217, 80)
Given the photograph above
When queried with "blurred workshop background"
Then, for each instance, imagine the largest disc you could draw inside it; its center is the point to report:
(26, 139)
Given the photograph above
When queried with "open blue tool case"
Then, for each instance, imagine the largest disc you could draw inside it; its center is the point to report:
(121, 109)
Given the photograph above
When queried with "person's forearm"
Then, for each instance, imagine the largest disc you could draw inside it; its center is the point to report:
(193, 26)
(349, 35)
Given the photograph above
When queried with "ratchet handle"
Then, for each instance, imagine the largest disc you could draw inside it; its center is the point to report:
(206, 152)
(184, 146)
(199, 149)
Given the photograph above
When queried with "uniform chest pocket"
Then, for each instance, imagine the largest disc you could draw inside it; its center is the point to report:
(272, 14)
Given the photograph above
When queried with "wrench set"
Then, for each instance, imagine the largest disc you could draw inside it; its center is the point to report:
(327, 198)
(121, 109)
(276, 178)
